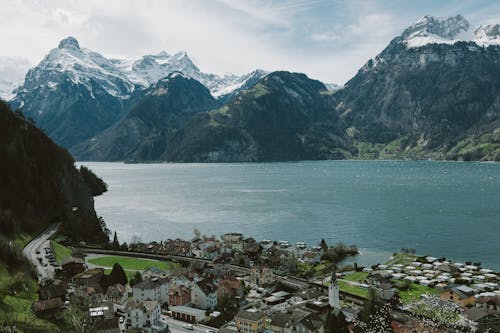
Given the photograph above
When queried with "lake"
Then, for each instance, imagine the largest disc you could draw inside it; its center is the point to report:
(449, 209)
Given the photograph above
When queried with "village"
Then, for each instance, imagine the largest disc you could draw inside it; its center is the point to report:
(235, 284)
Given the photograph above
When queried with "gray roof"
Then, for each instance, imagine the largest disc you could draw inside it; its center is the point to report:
(150, 283)
(281, 319)
(249, 315)
(475, 314)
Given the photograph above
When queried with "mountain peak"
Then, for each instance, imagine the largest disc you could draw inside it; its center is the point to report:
(488, 34)
(430, 29)
(69, 43)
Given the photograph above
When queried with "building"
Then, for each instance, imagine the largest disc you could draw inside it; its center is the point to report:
(110, 325)
(143, 314)
(47, 307)
(261, 276)
(188, 314)
(233, 240)
(117, 293)
(333, 293)
(154, 289)
(461, 295)
(90, 278)
(154, 272)
(229, 288)
(72, 266)
(250, 321)
(311, 323)
(281, 322)
(489, 303)
(53, 290)
(179, 295)
(204, 294)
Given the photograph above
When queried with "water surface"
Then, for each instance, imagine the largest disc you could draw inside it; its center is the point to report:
(447, 209)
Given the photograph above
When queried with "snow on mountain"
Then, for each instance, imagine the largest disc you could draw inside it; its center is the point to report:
(120, 77)
(433, 30)
(333, 86)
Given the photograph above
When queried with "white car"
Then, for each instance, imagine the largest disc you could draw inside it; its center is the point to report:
(188, 326)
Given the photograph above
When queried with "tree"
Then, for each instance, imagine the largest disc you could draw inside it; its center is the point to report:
(118, 275)
(197, 233)
(136, 279)
(336, 323)
(323, 245)
(116, 244)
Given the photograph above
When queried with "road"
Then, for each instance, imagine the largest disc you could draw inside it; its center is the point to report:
(44, 269)
(175, 326)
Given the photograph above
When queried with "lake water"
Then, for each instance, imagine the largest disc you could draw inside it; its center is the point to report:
(449, 209)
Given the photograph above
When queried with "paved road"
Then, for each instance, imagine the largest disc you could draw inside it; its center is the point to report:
(175, 326)
(44, 269)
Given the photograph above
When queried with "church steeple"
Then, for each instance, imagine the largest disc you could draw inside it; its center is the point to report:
(333, 293)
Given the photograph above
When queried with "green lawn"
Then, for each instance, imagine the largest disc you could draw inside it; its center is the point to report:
(359, 277)
(355, 290)
(129, 263)
(23, 239)
(17, 309)
(414, 292)
(61, 252)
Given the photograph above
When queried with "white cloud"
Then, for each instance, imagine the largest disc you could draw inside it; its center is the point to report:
(326, 39)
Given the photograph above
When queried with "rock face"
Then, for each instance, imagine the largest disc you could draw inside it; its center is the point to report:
(75, 93)
(284, 117)
(435, 100)
(143, 134)
(40, 185)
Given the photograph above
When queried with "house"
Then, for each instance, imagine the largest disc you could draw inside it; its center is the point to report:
(117, 293)
(250, 321)
(188, 314)
(154, 272)
(229, 288)
(482, 320)
(204, 294)
(448, 268)
(47, 307)
(90, 278)
(143, 314)
(261, 276)
(53, 290)
(233, 240)
(154, 289)
(109, 325)
(179, 295)
(489, 303)
(281, 322)
(72, 266)
(311, 323)
(460, 295)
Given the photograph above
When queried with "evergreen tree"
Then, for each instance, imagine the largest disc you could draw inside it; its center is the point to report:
(323, 245)
(136, 279)
(118, 275)
(336, 323)
(116, 244)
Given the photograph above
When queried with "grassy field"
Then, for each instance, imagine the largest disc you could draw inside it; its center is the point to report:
(357, 277)
(355, 290)
(414, 292)
(17, 309)
(23, 239)
(401, 258)
(133, 264)
(61, 252)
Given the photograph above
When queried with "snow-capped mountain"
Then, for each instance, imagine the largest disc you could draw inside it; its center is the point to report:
(433, 30)
(74, 93)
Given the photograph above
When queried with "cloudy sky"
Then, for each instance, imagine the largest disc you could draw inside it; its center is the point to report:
(326, 39)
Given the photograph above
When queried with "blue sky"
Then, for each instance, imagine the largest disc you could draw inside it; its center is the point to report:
(326, 39)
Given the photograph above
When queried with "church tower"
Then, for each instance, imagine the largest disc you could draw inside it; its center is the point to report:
(333, 293)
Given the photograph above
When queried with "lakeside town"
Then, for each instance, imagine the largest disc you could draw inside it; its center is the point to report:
(236, 284)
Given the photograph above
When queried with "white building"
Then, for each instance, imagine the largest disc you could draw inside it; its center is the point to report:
(144, 314)
(154, 272)
(333, 293)
(151, 289)
(204, 294)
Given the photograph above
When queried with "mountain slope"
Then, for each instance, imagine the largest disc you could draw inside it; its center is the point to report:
(143, 133)
(285, 116)
(40, 185)
(424, 99)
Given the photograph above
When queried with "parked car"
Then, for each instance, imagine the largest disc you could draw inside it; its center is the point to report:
(188, 326)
